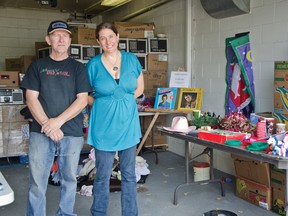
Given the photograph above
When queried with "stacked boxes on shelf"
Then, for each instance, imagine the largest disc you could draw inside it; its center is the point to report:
(79, 52)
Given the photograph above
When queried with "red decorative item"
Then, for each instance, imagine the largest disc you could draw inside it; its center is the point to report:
(236, 122)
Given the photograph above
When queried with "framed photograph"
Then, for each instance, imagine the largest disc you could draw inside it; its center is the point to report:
(190, 99)
(165, 98)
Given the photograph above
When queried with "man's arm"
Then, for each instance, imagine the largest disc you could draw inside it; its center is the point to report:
(39, 115)
(53, 124)
(35, 107)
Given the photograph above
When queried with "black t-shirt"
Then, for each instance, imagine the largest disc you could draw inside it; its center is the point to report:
(58, 83)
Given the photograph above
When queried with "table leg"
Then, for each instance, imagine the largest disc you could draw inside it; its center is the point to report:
(187, 162)
(147, 132)
(186, 172)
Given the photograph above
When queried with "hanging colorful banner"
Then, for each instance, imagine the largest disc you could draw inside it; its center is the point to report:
(240, 92)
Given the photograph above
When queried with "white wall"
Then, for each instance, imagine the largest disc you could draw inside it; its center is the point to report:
(21, 28)
(267, 24)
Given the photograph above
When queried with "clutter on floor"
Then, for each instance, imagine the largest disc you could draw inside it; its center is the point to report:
(87, 173)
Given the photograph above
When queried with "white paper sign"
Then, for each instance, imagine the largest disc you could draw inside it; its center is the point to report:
(180, 79)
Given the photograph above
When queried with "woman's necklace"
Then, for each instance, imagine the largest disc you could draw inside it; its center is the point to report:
(114, 66)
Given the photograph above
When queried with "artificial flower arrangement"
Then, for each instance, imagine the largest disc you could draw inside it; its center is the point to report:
(237, 122)
(234, 121)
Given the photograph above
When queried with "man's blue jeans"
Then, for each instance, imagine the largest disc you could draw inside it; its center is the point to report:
(41, 157)
(104, 163)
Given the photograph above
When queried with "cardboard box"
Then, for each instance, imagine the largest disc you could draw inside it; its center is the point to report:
(84, 36)
(278, 178)
(9, 78)
(19, 64)
(26, 60)
(158, 45)
(157, 61)
(135, 29)
(280, 87)
(137, 46)
(13, 64)
(154, 79)
(220, 136)
(255, 193)
(143, 61)
(150, 93)
(252, 170)
(281, 118)
(155, 137)
(278, 201)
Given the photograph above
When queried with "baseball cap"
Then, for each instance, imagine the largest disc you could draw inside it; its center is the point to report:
(58, 25)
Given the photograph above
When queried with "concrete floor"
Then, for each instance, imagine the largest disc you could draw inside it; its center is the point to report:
(155, 197)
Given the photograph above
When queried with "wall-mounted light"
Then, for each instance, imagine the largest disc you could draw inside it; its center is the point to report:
(113, 2)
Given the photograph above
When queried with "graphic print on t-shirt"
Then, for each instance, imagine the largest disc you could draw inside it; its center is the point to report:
(55, 72)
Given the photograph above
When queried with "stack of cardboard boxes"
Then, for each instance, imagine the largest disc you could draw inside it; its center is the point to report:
(278, 183)
(257, 182)
(280, 92)
(253, 182)
(278, 179)
(14, 129)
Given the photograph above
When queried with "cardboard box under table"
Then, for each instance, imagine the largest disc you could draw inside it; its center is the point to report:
(278, 183)
(252, 170)
(155, 138)
(254, 193)
(278, 201)
(220, 136)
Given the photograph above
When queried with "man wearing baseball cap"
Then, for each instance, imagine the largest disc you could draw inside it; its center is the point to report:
(56, 89)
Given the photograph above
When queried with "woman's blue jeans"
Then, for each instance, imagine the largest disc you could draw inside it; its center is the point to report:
(42, 151)
(104, 163)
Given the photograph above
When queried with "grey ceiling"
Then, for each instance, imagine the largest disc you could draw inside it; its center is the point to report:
(87, 7)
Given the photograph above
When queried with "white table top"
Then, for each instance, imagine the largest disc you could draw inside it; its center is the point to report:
(6, 194)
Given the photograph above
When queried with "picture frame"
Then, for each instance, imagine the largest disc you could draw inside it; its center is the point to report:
(165, 98)
(190, 99)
